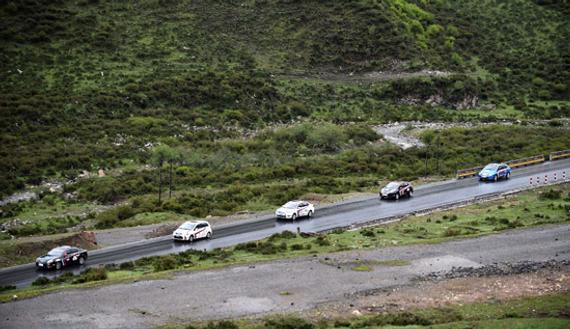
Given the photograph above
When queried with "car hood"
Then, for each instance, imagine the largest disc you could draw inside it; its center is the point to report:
(285, 210)
(181, 232)
(389, 190)
(45, 258)
(487, 172)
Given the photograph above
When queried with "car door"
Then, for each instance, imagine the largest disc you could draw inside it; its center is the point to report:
(303, 209)
(200, 229)
(402, 189)
(73, 254)
(502, 171)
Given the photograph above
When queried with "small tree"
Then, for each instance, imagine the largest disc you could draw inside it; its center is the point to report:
(160, 155)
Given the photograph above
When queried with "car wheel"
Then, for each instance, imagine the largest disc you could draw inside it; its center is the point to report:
(191, 238)
(58, 266)
(81, 260)
(398, 196)
(294, 216)
(209, 235)
(310, 214)
(508, 175)
(410, 193)
(496, 178)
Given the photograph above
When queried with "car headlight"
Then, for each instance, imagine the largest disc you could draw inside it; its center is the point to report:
(50, 261)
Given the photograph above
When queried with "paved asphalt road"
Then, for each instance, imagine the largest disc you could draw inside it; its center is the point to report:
(326, 218)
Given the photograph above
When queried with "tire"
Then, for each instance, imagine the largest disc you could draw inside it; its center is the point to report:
(508, 175)
(294, 217)
(81, 260)
(58, 266)
(496, 178)
(397, 196)
(410, 193)
(310, 214)
(191, 238)
(209, 235)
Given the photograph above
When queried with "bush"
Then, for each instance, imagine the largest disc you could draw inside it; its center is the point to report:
(282, 235)
(164, 263)
(6, 288)
(451, 232)
(127, 266)
(296, 247)
(551, 195)
(322, 241)
(92, 274)
(41, 281)
(224, 324)
(367, 233)
(288, 323)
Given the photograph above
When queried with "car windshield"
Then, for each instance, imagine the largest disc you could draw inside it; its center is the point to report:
(492, 166)
(290, 205)
(55, 252)
(392, 185)
(187, 226)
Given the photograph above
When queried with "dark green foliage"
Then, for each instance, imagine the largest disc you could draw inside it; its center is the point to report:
(282, 235)
(368, 233)
(41, 281)
(92, 274)
(224, 324)
(261, 247)
(7, 288)
(551, 194)
(288, 322)
(165, 263)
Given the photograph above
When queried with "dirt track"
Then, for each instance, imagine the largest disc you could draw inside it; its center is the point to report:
(301, 285)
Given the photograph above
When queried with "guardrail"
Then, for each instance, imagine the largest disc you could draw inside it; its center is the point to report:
(463, 173)
(526, 161)
(469, 172)
(559, 155)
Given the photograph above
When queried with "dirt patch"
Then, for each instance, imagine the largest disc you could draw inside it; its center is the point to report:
(32, 248)
(457, 291)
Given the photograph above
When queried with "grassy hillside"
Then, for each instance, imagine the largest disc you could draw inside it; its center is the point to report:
(92, 83)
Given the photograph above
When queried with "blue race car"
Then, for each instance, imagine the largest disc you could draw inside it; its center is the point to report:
(495, 171)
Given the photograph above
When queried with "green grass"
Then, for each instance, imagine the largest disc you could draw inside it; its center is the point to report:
(537, 312)
(526, 209)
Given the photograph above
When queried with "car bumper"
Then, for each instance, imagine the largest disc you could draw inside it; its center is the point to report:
(180, 238)
(387, 195)
(45, 266)
(283, 216)
(487, 178)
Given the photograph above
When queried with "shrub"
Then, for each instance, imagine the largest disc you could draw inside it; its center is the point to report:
(224, 324)
(127, 266)
(322, 241)
(551, 194)
(297, 246)
(282, 235)
(6, 288)
(288, 322)
(451, 232)
(92, 274)
(367, 233)
(164, 263)
(41, 281)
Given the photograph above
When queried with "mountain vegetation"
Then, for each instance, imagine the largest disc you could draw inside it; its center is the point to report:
(254, 98)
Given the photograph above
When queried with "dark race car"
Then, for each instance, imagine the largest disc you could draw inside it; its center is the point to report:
(396, 190)
(61, 256)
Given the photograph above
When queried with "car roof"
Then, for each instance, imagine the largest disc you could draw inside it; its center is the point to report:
(195, 222)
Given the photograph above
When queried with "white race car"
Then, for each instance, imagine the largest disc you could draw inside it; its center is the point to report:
(190, 231)
(295, 209)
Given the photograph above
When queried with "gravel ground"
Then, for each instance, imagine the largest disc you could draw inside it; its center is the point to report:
(298, 285)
